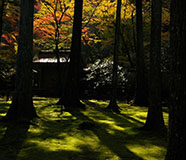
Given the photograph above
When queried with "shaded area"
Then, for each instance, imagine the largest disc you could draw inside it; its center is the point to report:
(3, 109)
(126, 120)
(94, 133)
(109, 140)
(11, 143)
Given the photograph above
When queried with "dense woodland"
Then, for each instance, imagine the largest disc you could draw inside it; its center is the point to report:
(121, 51)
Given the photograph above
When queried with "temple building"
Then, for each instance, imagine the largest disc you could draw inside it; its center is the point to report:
(50, 72)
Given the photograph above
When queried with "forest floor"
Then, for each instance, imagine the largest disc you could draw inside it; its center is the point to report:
(91, 134)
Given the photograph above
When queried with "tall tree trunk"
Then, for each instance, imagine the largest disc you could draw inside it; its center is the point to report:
(1, 17)
(22, 103)
(177, 117)
(125, 49)
(71, 98)
(155, 115)
(56, 51)
(134, 33)
(141, 80)
(113, 104)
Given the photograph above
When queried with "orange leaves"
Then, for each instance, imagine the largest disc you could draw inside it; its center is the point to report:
(9, 41)
(10, 28)
(37, 6)
(10, 37)
(7, 38)
(66, 18)
(11, 15)
(85, 29)
(57, 16)
(52, 22)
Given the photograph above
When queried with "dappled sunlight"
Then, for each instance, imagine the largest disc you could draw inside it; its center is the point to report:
(166, 118)
(4, 108)
(69, 143)
(136, 116)
(138, 113)
(35, 130)
(99, 102)
(49, 110)
(147, 152)
(2, 114)
(129, 114)
(58, 133)
(74, 140)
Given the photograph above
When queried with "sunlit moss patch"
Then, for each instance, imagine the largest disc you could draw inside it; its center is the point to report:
(148, 152)
(93, 134)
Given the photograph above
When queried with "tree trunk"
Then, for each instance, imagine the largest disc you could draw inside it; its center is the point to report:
(113, 104)
(1, 18)
(125, 49)
(134, 33)
(22, 103)
(177, 117)
(71, 98)
(141, 80)
(58, 58)
(155, 115)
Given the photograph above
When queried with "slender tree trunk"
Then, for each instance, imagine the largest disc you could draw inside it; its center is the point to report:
(22, 103)
(58, 58)
(134, 33)
(113, 104)
(57, 43)
(141, 80)
(155, 115)
(1, 18)
(125, 49)
(177, 117)
(71, 98)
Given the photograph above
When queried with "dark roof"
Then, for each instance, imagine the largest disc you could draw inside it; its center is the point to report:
(49, 56)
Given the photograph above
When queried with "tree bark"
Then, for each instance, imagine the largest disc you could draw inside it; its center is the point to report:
(113, 104)
(177, 117)
(125, 49)
(71, 97)
(22, 103)
(155, 115)
(134, 33)
(1, 18)
(141, 80)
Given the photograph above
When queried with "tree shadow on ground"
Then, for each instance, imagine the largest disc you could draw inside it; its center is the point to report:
(12, 141)
(126, 121)
(112, 141)
(16, 139)
(39, 153)
(53, 128)
(117, 117)
(67, 129)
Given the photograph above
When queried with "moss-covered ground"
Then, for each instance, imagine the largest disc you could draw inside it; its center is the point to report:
(91, 134)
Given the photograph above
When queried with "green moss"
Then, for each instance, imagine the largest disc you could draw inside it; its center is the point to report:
(148, 152)
(112, 136)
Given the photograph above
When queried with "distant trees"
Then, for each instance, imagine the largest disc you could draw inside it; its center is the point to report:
(9, 30)
(155, 115)
(52, 24)
(177, 117)
(1, 17)
(22, 104)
